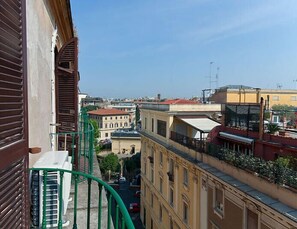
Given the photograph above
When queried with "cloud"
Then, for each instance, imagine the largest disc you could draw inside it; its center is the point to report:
(244, 21)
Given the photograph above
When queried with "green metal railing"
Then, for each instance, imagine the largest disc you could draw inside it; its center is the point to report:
(115, 205)
(79, 144)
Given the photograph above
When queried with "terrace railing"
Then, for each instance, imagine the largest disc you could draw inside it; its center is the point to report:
(79, 144)
(192, 143)
(115, 205)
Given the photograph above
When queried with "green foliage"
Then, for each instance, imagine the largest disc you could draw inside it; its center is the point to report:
(285, 111)
(110, 162)
(90, 108)
(281, 171)
(137, 114)
(272, 128)
(96, 128)
(130, 165)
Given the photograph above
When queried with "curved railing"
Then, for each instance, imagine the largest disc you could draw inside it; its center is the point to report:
(115, 206)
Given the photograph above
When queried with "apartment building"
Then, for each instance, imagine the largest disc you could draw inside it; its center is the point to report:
(110, 120)
(184, 186)
(245, 94)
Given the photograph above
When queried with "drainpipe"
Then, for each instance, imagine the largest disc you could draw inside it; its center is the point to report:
(53, 92)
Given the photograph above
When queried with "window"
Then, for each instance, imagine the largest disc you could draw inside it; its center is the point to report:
(161, 128)
(105, 118)
(116, 125)
(186, 177)
(110, 118)
(161, 158)
(219, 201)
(106, 135)
(152, 125)
(161, 185)
(110, 125)
(120, 117)
(125, 124)
(116, 117)
(160, 213)
(251, 219)
(171, 197)
(275, 98)
(185, 213)
(106, 125)
(293, 98)
(121, 124)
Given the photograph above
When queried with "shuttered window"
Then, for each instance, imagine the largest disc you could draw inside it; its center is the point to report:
(67, 87)
(13, 116)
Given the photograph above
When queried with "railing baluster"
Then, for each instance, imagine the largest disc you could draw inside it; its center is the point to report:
(61, 200)
(44, 199)
(123, 223)
(109, 210)
(89, 202)
(117, 217)
(99, 206)
(75, 201)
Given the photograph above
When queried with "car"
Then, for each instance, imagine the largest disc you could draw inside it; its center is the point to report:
(137, 194)
(134, 207)
(122, 180)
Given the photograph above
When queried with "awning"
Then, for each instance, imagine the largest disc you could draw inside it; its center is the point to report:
(204, 125)
(236, 138)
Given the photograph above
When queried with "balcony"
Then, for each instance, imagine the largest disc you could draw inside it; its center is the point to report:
(91, 217)
(273, 171)
(192, 143)
(92, 202)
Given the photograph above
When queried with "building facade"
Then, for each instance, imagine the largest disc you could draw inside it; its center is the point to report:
(125, 142)
(33, 34)
(183, 186)
(109, 120)
(242, 94)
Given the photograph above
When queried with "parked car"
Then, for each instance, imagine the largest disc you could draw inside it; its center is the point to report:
(134, 207)
(122, 179)
(137, 194)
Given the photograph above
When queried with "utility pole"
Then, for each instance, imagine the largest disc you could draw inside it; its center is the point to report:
(210, 64)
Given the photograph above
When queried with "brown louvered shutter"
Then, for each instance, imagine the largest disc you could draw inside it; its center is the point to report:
(13, 116)
(66, 87)
(67, 94)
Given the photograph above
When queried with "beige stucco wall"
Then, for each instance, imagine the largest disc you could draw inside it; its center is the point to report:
(40, 69)
(118, 144)
(236, 202)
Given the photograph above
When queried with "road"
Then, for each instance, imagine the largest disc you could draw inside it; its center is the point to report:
(127, 196)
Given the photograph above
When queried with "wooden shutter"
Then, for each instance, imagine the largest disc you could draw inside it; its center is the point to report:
(67, 96)
(13, 116)
(66, 87)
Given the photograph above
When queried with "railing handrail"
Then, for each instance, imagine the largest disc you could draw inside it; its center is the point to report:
(119, 201)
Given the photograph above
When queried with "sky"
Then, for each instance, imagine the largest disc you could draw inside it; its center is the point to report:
(138, 48)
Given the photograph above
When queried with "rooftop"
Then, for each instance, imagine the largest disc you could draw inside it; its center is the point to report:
(104, 112)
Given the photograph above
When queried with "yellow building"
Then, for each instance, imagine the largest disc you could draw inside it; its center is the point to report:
(125, 142)
(184, 187)
(243, 94)
(109, 120)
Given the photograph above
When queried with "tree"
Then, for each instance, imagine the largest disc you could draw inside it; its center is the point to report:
(90, 108)
(285, 110)
(96, 128)
(110, 163)
(137, 115)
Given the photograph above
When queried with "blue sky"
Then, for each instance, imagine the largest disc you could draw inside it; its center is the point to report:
(141, 48)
